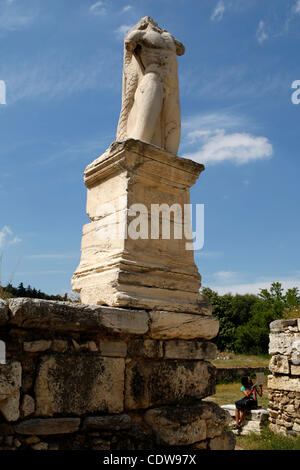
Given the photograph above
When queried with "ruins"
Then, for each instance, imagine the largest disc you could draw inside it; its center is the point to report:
(128, 368)
(284, 381)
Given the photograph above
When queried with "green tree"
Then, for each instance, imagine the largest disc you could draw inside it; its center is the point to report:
(245, 319)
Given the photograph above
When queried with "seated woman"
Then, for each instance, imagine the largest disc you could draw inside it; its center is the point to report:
(249, 402)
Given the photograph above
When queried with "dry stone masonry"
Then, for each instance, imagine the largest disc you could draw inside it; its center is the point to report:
(95, 377)
(284, 383)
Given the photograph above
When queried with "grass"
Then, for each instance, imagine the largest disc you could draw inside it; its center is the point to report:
(227, 394)
(229, 359)
(268, 440)
(294, 313)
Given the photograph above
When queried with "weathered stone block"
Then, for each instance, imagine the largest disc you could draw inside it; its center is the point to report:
(10, 383)
(113, 348)
(60, 345)
(180, 349)
(117, 320)
(37, 346)
(79, 384)
(296, 428)
(27, 406)
(280, 343)
(218, 420)
(148, 348)
(66, 316)
(283, 383)
(295, 370)
(295, 358)
(279, 364)
(51, 315)
(278, 326)
(177, 426)
(186, 425)
(152, 383)
(107, 423)
(10, 407)
(167, 325)
(226, 441)
(40, 446)
(10, 378)
(3, 312)
(47, 427)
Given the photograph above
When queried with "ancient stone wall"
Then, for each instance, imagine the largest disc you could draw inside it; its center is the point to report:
(284, 383)
(89, 377)
(234, 374)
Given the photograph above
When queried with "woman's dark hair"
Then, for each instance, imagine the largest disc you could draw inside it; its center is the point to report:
(245, 381)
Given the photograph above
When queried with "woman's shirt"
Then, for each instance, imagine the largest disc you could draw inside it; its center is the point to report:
(253, 393)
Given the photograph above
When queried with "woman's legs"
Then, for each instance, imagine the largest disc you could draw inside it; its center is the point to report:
(240, 416)
(237, 417)
(243, 413)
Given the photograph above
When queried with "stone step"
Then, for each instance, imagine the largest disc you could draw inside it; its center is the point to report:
(254, 419)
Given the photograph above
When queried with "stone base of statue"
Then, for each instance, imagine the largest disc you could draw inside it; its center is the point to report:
(88, 377)
(137, 250)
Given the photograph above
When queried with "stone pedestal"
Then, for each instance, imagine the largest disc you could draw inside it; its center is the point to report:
(130, 257)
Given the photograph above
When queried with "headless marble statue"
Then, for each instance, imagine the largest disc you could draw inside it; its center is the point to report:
(150, 99)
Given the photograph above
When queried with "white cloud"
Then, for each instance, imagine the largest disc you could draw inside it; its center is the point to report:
(225, 276)
(56, 75)
(13, 17)
(200, 125)
(7, 238)
(127, 8)
(261, 34)
(98, 8)
(195, 136)
(3, 235)
(123, 30)
(254, 287)
(296, 7)
(239, 148)
(14, 241)
(218, 12)
(216, 137)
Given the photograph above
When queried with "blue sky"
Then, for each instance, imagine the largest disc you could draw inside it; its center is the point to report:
(62, 65)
